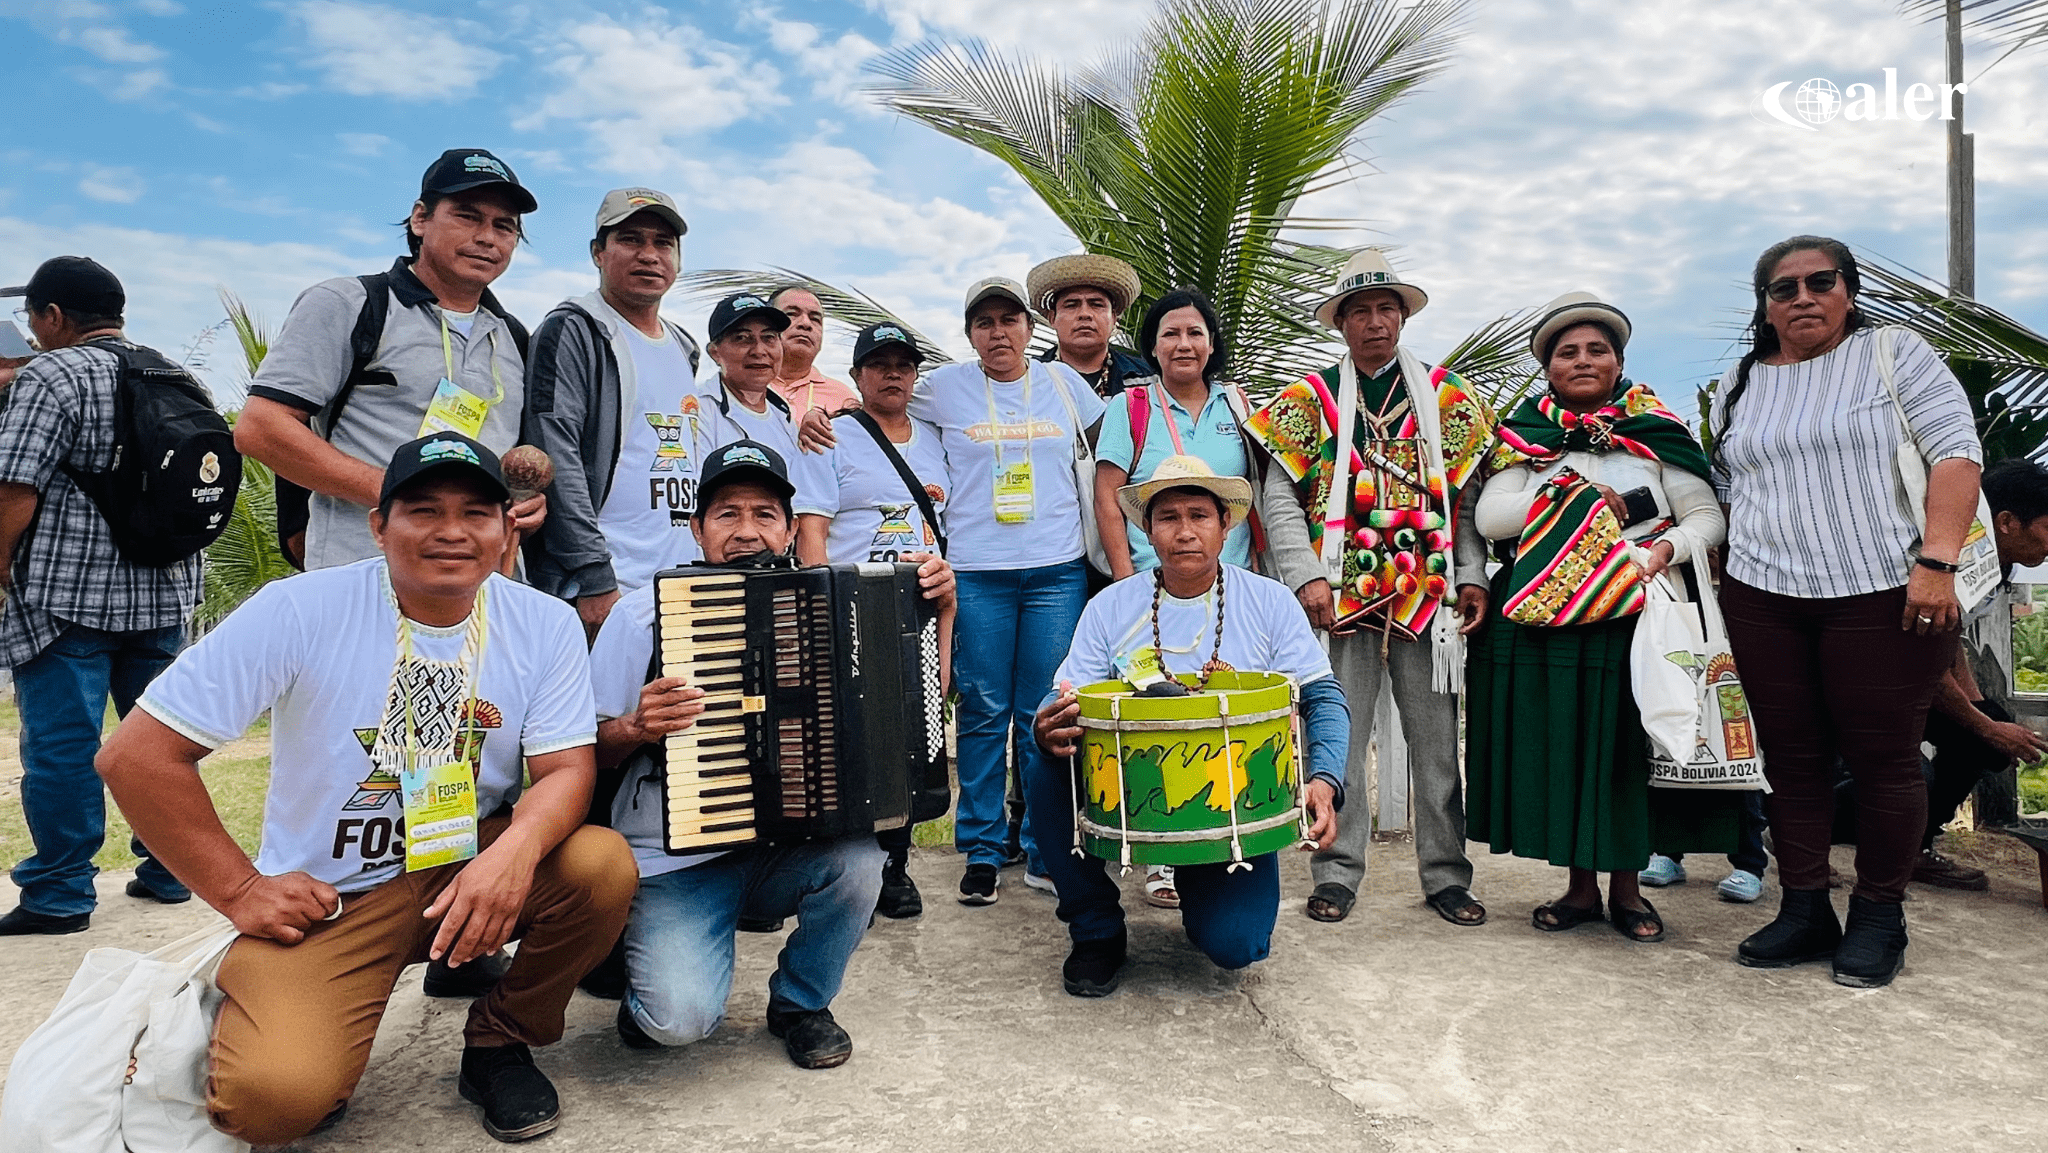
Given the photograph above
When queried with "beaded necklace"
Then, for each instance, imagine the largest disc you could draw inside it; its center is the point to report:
(1214, 663)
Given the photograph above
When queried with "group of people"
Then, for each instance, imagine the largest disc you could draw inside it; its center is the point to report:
(465, 715)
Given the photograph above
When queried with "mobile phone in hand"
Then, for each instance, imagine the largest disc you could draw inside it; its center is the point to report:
(13, 345)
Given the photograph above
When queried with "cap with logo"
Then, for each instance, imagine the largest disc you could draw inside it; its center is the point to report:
(743, 306)
(461, 169)
(743, 461)
(876, 337)
(995, 286)
(622, 204)
(449, 451)
(77, 284)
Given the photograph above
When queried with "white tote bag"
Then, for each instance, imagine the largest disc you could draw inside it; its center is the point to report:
(1084, 480)
(120, 1066)
(1718, 748)
(1980, 571)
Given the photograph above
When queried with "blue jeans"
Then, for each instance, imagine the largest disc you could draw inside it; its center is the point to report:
(1228, 916)
(1013, 630)
(679, 940)
(62, 694)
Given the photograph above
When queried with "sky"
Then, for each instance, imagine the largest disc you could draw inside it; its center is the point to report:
(1615, 147)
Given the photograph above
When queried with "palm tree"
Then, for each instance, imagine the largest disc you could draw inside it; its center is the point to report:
(1187, 152)
(246, 556)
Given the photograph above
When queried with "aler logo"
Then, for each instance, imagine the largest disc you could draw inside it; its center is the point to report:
(1818, 101)
(209, 468)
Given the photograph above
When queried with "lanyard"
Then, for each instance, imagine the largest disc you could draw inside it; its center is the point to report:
(995, 426)
(448, 363)
(470, 662)
(1208, 617)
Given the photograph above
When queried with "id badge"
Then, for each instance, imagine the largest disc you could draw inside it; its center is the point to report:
(440, 814)
(455, 409)
(1015, 502)
(1142, 668)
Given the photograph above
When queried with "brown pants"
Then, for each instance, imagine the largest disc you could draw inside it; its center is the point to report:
(295, 1027)
(1837, 677)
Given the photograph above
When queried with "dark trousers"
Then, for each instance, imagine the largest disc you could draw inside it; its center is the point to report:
(1961, 759)
(1837, 676)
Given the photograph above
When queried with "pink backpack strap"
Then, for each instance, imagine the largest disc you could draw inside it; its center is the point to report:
(1139, 405)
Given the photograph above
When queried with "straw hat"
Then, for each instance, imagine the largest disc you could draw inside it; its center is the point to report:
(1187, 472)
(1368, 268)
(1115, 278)
(1577, 308)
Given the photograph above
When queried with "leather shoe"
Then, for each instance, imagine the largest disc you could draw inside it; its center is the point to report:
(518, 1100)
(630, 1032)
(1806, 929)
(899, 899)
(1934, 869)
(21, 923)
(142, 892)
(471, 980)
(813, 1040)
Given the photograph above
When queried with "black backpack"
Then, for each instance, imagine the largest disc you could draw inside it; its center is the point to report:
(294, 511)
(172, 486)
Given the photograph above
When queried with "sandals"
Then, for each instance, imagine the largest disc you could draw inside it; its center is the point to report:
(1562, 916)
(1627, 921)
(1159, 890)
(1451, 900)
(1330, 903)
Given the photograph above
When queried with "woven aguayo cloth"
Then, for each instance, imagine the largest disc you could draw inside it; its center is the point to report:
(1557, 766)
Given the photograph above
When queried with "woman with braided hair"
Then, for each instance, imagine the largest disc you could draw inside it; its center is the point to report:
(1192, 616)
(1841, 613)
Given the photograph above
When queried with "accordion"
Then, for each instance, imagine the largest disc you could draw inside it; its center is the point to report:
(823, 716)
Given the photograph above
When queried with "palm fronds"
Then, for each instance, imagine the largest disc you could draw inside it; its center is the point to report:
(2013, 22)
(246, 556)
(844, 305)
(1495, 360)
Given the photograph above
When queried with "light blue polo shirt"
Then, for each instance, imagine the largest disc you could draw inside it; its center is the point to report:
(1212, 436)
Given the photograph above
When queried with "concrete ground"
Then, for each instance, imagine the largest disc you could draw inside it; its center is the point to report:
(1393, 1031)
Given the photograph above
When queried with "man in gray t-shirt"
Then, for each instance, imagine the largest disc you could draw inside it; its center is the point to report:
(447, 357)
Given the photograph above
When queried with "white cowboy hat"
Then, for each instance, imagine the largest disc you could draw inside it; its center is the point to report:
(1187, 472)
(1368, 268)
(1577, 308)
(1088, 269)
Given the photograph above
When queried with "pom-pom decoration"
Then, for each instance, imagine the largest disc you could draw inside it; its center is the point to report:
(1405, 562)
(1436, 562)
(1366, 538)
(1438, 540)
(1406, 539)
(1436, 586)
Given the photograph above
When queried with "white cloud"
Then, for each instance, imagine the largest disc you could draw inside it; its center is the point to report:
(373, 50)
(362, 143)
(161, 7)
(113, 44)
(141, 83)
(1071, 30)
(834, 66)
(633, 88)
(112, 185)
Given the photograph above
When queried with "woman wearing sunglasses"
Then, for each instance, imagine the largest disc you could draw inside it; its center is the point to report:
(1841, 617)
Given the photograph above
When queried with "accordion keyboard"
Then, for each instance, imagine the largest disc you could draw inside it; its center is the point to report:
(703, 638)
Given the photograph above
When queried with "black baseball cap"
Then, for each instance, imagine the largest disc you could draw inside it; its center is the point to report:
(743, 306)
(461, 169)
(449, 451)
(876, 337)
(77, 284)
(743, 460)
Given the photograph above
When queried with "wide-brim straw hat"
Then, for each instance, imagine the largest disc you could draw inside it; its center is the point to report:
(1118, 280)
(1368, 269)
(1577, 308)
(1187, 472)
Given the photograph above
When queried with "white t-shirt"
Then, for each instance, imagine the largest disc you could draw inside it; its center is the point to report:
(956, 398)
(317, 649)
(1264, 630)
(646, 516)
(618, 670)
(461, 322)
(874, 517)
(738, 422)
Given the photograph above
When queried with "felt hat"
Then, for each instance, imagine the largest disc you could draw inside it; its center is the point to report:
(1118, 280)
(1577, 308)
(1187, 472)
(1367, 269)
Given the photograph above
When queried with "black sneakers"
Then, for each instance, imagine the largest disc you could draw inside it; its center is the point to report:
(1091, 969)
(1806, 929)
(607, 982)
(1873, 947)
(471, 980)
(978, 885)
(813, 1040)
(899, 899)
(760, 924)
(142, 892)
(22, 923)
(518, 1100)
(630, 1032)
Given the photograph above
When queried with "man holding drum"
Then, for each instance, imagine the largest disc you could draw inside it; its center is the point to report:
(1191, 621)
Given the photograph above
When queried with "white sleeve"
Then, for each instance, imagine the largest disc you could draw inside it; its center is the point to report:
(618, 661)
(1091, 657)
(1701, 524)
(816, 476)
(1294, 649)
(561, 714)
(1504, 503)
(217, 688)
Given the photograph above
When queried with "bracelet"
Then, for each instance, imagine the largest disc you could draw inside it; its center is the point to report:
(1937, 565)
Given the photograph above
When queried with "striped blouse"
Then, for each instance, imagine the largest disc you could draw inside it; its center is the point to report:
(1815, 508)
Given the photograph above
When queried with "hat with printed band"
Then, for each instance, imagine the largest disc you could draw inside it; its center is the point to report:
(1368, 269)
(443, 451)
(876, 337)
(743, 306)
(1186, 472)
(461, 169)
(622, 204)
(743, 461)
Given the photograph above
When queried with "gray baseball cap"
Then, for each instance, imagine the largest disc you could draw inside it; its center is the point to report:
(1001, 286)
(620, 204)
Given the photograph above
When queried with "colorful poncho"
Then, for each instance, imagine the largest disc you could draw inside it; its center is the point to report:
(1397, 563)
(1636, 421)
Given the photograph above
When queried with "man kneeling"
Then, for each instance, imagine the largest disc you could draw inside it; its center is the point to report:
(679, 942)
(404, 692)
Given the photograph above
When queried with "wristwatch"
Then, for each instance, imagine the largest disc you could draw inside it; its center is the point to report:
(1937, 565)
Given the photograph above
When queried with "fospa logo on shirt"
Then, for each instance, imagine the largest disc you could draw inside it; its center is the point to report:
(435, 687)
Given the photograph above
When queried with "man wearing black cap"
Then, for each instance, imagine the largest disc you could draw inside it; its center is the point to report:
(81, 622)
(409, 695)
(855, 506)
(679, 941)
(611, 396)
(744, 338)
(365, 364)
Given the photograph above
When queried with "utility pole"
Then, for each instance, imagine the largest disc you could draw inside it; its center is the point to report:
(1962, 171)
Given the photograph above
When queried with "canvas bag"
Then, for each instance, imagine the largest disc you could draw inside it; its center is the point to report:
(1084, 480)
(1701, 730)
(70, 1089)
(1980, 571)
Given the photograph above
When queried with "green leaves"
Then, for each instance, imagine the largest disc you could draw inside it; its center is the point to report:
(246, 556)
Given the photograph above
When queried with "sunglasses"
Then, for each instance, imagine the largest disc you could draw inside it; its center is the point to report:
(1818, 283)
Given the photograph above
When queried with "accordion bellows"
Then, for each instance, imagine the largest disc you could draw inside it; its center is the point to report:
(823, 716)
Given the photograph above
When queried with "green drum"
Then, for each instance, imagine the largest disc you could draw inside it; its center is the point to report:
(1207, 778)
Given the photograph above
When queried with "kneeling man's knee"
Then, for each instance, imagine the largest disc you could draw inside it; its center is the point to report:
(1233, 951)
(277, 1102)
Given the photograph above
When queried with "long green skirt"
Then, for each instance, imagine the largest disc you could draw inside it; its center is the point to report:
(1557, 762)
